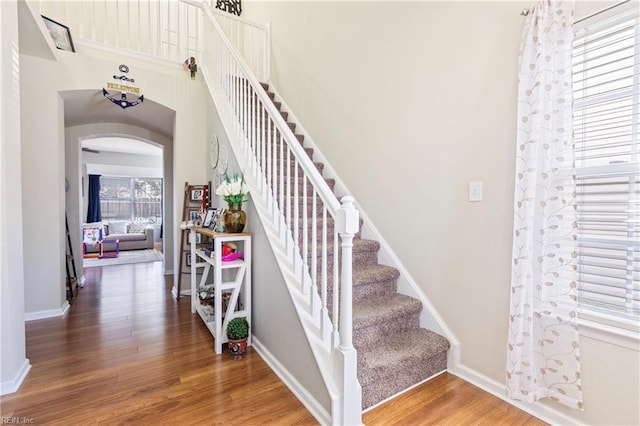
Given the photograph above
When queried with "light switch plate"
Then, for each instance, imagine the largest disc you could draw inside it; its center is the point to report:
(475, 191)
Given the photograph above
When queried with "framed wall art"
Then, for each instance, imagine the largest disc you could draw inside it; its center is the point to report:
(60, 34)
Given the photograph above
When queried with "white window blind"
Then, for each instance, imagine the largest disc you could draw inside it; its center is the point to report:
(606, 79)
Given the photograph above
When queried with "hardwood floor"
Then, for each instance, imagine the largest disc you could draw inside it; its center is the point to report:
(128, 352)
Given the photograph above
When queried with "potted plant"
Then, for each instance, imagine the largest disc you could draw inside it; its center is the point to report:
(237, 334)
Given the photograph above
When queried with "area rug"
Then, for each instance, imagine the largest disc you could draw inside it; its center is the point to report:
(129, 256)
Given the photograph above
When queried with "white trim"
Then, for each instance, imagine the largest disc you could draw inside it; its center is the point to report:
(609, 334)
(51, 313)
(310, 403)
(11, 386)
(120, 51)
(541, 411)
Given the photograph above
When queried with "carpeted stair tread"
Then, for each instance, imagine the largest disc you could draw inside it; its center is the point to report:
(369, 312)
(371, 273)
(400, 349)
(398, 362)
(367, 274)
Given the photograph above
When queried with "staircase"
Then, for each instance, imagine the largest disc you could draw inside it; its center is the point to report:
(394, 352)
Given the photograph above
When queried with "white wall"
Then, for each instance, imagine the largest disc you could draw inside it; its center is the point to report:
(43, 186)
(13, 362)
(43, 156)
(423, 94)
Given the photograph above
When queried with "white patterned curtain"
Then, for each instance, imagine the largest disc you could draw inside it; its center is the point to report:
(543, 352)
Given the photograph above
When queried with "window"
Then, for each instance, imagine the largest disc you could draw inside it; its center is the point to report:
(135, 199)
(606, 78)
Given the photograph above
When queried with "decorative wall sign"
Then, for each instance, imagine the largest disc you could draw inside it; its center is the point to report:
(231, 6)
(125, 86)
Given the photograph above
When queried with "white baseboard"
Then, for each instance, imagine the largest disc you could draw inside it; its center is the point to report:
(11, 386)
(51, 313)
(310, 403)
(544, 413)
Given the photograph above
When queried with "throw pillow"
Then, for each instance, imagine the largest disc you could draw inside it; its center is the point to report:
(118, 227)
(136, 228)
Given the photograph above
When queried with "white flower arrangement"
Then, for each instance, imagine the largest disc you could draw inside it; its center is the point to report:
(232, 189)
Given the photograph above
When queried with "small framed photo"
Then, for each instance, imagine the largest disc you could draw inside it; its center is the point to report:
(211, 218)
(60, 34)
(197, 194)
(188, 259)
(194, 215)
(198, 239)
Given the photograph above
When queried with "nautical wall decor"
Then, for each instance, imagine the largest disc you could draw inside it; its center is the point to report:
(125, 85)
(231, 6)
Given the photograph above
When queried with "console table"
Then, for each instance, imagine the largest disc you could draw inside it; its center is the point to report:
(230, 280)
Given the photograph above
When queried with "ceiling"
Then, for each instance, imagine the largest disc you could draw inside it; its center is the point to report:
(90, 106)
(122, 145)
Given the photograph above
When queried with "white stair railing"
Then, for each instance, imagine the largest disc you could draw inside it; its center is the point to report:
(307, 225)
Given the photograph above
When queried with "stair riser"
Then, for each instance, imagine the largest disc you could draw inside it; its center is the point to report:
(266, 125)
(273, 137)
(372, 333)
(308, 151)
(330, 231)
(301, 188)
(360, 259)
(292, 165)
(396, 380)
(258, 116)
(309, 186)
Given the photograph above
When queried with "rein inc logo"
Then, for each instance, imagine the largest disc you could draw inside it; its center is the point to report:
(17, 421)
(124, 85)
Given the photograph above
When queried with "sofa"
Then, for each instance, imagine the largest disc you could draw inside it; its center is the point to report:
(133, 238)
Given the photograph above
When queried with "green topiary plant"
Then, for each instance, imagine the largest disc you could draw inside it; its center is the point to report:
(238, 329)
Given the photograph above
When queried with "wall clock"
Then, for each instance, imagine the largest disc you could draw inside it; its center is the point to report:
(223, 161)
(214, 152)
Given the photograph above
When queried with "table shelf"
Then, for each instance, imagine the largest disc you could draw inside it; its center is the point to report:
(239, 304)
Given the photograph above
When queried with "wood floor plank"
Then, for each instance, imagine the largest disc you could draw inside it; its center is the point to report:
(128, 352)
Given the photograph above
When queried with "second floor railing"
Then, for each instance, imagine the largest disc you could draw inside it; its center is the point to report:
(170, 30)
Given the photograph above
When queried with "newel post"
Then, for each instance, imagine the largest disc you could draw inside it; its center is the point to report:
(348, 410)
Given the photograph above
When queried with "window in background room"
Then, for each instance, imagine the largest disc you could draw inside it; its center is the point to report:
(133, 199)
(606, 79)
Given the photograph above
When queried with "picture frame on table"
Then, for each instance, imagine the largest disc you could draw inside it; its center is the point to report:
(60, 34)
(212, 217)
(197, 194)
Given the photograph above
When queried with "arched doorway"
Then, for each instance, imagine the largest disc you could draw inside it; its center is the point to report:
(88, 117)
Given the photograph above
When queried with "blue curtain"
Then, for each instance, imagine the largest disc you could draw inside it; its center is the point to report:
(93, 212)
